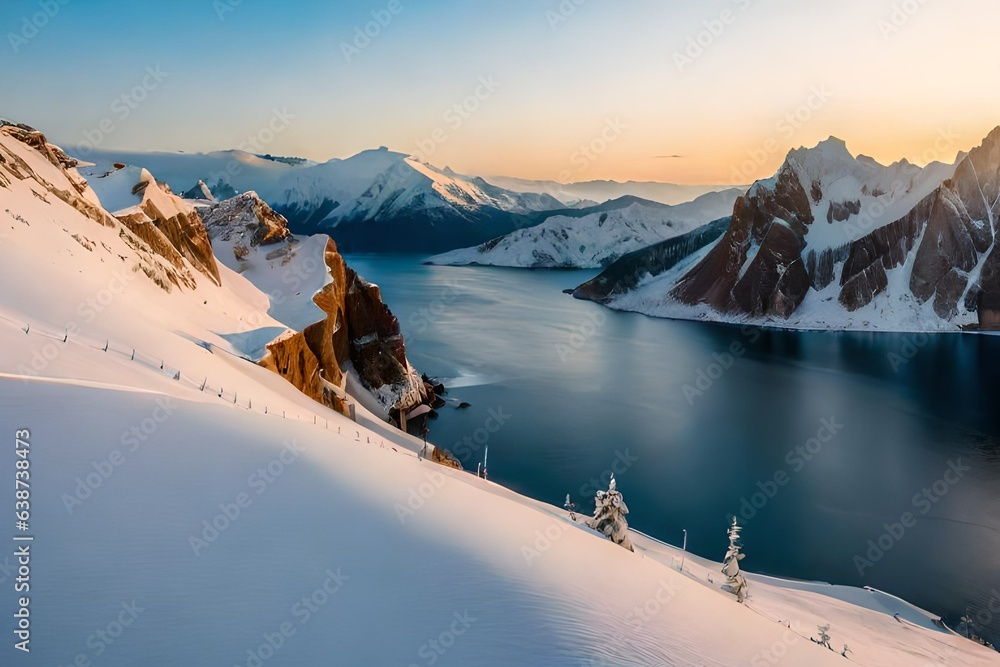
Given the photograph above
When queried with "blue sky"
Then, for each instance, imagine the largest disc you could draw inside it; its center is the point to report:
(889, 77)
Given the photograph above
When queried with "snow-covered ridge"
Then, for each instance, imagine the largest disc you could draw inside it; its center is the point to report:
(595, 237)
(835, 241)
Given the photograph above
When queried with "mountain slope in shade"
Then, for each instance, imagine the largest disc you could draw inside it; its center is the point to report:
(596, 237)
(834, 241)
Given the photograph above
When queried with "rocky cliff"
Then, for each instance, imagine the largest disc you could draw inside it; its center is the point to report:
(161, 233)
(837, 241)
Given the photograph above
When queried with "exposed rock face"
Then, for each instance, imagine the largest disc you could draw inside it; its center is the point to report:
(821, 267)
(870, 258)
(359, 329)
(772, 220)
(158, 259)
(179, 223)
(247, 220)
(897, 237)
(626, 273)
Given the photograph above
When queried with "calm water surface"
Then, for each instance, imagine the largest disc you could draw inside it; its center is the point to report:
(699, 436)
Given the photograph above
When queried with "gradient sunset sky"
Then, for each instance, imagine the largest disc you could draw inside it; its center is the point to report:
(894, 79)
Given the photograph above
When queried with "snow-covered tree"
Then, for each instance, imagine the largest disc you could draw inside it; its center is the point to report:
(609, 516)
(731, 564)
(824, 636)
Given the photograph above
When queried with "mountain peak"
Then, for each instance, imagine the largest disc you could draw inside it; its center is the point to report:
(832, 148)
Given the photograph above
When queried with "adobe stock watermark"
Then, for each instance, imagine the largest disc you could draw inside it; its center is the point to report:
(470, 445)
(908, 350)
(623, 462)
(543, 541)
(223, 7)
(418, 496)
(870, 217)
(88, 311)
(280, 121)
(294, 277)
(564, 11)
(302, 611)
(985, 616)
(900, 15)
(230, 512)
(637, 619)
(366, 34)
(796, 459)
(32, 24)
(592, 151)
(785, 128)
(435, 648)
(102, 639)
(455, 116)
(131, 441)
(712, 29)
(707, 376)
(121, 108)
(580, 334)
(421, 320)
(922, 502)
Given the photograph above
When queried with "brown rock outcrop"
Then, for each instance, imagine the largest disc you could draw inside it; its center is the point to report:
(359, 329)
(776, 281)
(179, 223)
(245, 217)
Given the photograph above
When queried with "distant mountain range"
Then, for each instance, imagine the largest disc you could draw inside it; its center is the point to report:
(595, 192)
(594, 237)
(835, 241)
(380, 200)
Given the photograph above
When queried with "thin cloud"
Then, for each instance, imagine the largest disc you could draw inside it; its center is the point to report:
(668, 157)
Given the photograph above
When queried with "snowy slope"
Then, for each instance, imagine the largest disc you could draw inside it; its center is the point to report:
(857, 195)
(595, 237)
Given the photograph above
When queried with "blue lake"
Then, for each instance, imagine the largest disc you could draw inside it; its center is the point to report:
(853, 458)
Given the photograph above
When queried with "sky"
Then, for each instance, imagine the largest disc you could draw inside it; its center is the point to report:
(664, 90)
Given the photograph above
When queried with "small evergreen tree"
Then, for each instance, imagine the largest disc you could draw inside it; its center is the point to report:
(824, 636)
(609, 516)
(731, 564)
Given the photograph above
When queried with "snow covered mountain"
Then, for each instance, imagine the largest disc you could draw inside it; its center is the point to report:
(595, 192)
(167, 240)
(376, 201)
(222, 516)
(837, 241)
(594, 237)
